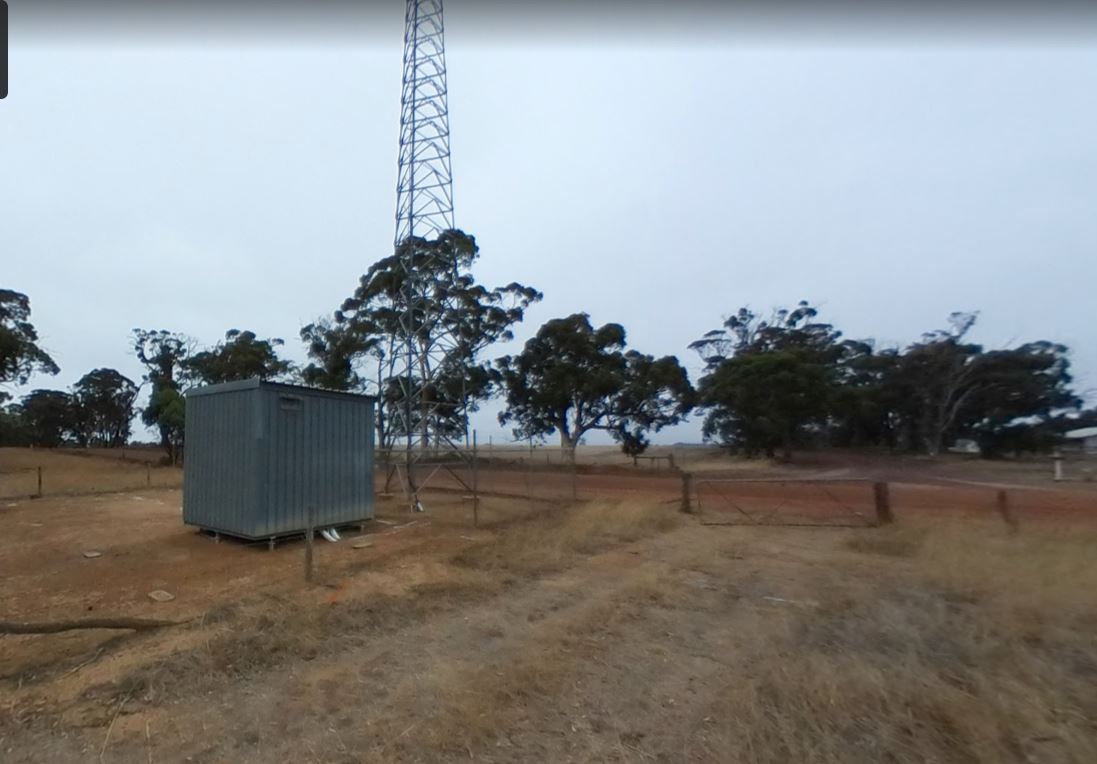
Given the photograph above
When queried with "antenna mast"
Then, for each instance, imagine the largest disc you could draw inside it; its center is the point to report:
(424, 211)
(424, 191)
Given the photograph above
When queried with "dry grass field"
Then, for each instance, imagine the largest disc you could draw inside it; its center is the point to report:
(616, 630)
(73, 471)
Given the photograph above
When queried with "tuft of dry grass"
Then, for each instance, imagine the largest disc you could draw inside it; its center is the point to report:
(888, 542)
(552, 539)
(984, 652)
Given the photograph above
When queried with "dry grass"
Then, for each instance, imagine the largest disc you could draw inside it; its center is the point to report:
(982, 650)
(950, 642)
(468, 706)
(270, 632)
(69, 473)
(888, 542)
(259, 635)
(552, 539)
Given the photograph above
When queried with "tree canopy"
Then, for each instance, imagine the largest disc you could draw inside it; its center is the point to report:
(769, 383)
(20, 355)
(791, 379)
(571, 378)
(767, 379)
(241, 355)
(453, 320)
(103, 408)
(47, 416)
(164, 355)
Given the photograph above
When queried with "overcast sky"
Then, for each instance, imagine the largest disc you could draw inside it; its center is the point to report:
(658, 176)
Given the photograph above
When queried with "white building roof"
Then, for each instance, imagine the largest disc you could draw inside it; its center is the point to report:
(1085, 432)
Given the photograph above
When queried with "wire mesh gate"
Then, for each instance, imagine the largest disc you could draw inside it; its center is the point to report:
(840, 503)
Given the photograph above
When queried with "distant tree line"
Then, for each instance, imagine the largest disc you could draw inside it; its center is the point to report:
(792, 380)
(99, 409)
(769, 385)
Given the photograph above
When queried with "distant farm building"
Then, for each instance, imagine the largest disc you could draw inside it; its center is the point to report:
(1084, 440)
(261, 454)
(965, 446)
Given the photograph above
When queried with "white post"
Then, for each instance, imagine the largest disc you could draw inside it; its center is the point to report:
(1058, 459)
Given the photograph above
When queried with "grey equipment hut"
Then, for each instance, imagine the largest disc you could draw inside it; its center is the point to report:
(258, 454)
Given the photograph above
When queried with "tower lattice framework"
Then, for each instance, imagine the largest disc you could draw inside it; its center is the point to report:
(424, 191)
(421, 419)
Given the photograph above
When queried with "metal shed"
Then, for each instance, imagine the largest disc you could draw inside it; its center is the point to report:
(259, 453)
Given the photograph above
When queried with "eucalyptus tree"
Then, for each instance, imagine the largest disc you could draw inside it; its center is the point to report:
(164, 355)
(572, 378)
(20, 355)
(423, 302)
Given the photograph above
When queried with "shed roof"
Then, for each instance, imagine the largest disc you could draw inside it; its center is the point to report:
(1085, 432)
(255, 382)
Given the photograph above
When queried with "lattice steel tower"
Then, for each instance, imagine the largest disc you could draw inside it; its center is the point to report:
(424, 190)
(428, 347)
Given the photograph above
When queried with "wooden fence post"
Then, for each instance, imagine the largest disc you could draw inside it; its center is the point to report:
(148, 474)
(39, 494)
(475, 484)
(883, 504)
(1005, 511)
(574, 478)
(309, 528)
(687, 491)
(529, 474)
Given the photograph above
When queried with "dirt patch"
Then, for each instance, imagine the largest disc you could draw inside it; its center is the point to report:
(616, 630)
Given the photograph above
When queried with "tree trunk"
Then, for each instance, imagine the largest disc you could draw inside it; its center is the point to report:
(933, 444)
(166, 443)
(569, 442)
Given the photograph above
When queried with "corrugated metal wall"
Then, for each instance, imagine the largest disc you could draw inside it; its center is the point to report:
(221, 461)
(320, 454)
(261, 455)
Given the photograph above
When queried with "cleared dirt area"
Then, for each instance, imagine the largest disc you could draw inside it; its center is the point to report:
(615, 630)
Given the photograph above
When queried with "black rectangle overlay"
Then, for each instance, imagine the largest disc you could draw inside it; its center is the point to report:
(3, 49)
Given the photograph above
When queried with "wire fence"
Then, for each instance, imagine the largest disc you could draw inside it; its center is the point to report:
(745, 501)
(859, 502)
(536, 477)
(528, 479)
(87, 477)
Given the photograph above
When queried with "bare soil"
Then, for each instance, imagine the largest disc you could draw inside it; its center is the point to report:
(615, 630)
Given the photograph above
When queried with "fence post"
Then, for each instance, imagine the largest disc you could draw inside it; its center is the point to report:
(475, 485)
(1005, 511)
(687, 491)
(148, 474)
(883, 504)
(39, 494)
(670, 459)
(309, 528)
(574, 478)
